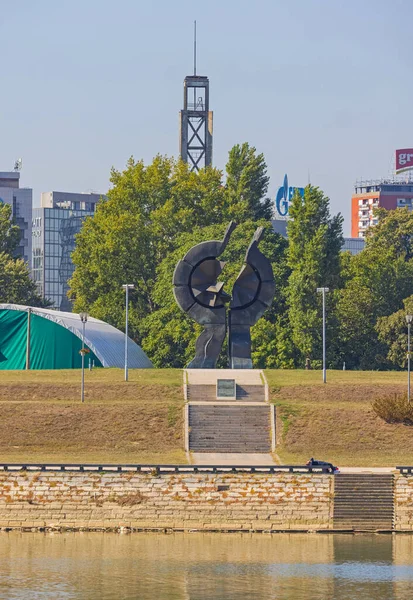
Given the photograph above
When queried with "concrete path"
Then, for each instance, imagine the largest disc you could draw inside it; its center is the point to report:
(215, 458)
(210, 376)
(367, 469)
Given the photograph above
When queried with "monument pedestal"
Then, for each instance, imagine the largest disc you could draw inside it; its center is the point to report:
(228, 411)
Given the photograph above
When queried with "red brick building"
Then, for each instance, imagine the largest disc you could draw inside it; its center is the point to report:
(369, 195)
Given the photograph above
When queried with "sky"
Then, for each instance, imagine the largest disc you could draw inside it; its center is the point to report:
(323, 88)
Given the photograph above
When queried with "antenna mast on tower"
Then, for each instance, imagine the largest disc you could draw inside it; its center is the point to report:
(194, 48)
(196, 120)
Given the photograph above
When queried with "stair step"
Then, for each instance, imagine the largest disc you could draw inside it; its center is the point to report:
(363, 501)
(220, 428)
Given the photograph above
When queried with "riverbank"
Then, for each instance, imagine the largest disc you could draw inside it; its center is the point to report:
(191, 500)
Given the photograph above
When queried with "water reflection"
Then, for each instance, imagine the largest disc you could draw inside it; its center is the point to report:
(87, 566)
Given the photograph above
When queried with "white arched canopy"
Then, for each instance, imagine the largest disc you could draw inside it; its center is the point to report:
(107, 342)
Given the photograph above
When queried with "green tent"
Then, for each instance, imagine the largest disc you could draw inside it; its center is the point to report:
(56, 341)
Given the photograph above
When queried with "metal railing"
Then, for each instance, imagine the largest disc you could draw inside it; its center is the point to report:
(158, 469)
(405, 469)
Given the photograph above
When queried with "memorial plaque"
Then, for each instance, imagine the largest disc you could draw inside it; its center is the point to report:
(226, 389)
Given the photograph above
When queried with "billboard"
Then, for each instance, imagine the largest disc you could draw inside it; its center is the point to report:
(404, 160)
(284, 196)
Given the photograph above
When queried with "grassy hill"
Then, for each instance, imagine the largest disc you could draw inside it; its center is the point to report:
(42, 418)
(334, 421)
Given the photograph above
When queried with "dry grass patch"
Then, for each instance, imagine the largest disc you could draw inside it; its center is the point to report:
(139, 421)
(335, 421)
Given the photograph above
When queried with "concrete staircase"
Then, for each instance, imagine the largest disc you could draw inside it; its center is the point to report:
(244, 393)
(229, 428)
(363, 501)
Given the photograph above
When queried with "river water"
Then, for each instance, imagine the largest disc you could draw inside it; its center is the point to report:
(205, 566)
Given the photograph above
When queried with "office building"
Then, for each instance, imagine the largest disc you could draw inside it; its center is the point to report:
(369, 195)
(20, 199)
(55, 226)
(69, 200)
(353, 245)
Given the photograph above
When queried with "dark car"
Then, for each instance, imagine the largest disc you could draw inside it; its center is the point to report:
(322, 463)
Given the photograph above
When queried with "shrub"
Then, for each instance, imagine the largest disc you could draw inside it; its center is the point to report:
(394, 408)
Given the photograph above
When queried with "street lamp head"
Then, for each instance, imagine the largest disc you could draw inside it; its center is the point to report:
(129, 286)
(323, 289)
(409, 319)
(83, 316)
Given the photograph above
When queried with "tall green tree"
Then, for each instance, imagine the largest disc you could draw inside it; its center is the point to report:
(377, 281)
(392, 332)
(138, 225)
(247, 184)
(16, 286)
(134, 229)
(9, 231)
(315, 240)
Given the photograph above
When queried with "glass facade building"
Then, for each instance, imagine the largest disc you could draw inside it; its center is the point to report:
(353, 245)
(20, 200)
(53, 241)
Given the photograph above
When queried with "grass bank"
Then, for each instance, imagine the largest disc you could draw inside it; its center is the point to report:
(42, 418)
(334, 421)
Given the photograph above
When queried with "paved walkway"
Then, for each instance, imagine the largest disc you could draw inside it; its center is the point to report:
(367, 469)
(210, 376)
(215, 458)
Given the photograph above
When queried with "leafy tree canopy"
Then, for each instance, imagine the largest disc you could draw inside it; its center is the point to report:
(9, 231)
(377, 281)
(392, 331)
(139, 224)
(315, 240)
(247, 184)
(16, 286)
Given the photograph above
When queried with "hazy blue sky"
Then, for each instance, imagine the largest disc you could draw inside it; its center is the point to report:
(320, 86)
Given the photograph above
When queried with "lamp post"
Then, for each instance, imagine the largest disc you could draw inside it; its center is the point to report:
(324, 290)
(409, 319)
(83, 317)
(127, 287)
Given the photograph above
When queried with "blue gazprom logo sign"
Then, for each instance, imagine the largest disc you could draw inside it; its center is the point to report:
(284, 197)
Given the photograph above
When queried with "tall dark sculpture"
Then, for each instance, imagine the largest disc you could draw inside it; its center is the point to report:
(198, 292)
(252, 294)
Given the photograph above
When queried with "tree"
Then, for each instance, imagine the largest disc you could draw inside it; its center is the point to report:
(377, 281)
(392, 331)
(169, 335)
(134, 229)
(247, 184)
(315, 240)
(139, 224)
(9, 231)
(16, 286)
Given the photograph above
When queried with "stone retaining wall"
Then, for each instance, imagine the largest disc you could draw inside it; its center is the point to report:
(403, 502)
(181, 501)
